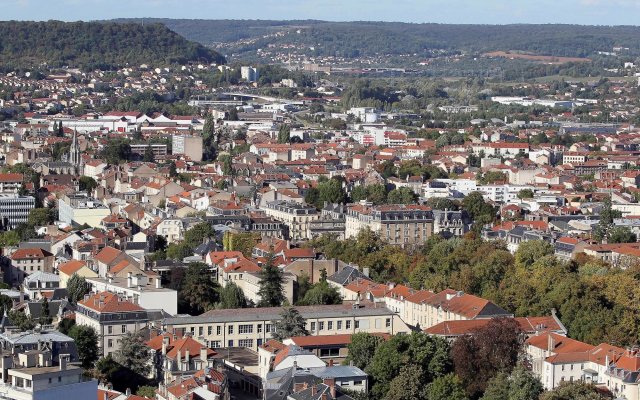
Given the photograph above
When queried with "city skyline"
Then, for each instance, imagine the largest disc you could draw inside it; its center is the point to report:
(582, 12)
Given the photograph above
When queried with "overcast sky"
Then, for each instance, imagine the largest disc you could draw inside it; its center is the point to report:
(595, 12)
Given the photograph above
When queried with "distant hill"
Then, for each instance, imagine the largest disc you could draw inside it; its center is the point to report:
(95, 45)
(351, 39)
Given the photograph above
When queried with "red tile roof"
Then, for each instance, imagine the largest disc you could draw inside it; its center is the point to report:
(559, 343)
(106, 302)
(71, 267)
(107, 255)
(22, 254)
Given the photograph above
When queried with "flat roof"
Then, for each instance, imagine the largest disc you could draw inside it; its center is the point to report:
(122, 284)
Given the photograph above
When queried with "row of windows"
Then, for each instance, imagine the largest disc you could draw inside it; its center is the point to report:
(242, 329)
(347, 325)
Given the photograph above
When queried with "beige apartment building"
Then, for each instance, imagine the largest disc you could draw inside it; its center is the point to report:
(297, 217)
(399, 224)
(111, 317)
(252, 327)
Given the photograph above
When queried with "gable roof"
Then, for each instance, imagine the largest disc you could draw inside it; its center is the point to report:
(108, 255)
(71, 267)
(106, 302)
(22, 254)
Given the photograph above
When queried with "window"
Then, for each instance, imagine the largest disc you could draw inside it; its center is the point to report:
(201, 331)
(218, 330)
(230, 343)
(215, 344)
(313, 327)
(388, 322)
(124, 328)
(259, 328)
(321, 325)
(330, 325)
(357, 383)
(335, 352)
(210, 330)
(243, 329)
(230, 329)
(110, 343)
(356, 324)
(109, 329)
(245, 343)
(59, 379)
(267, 328)
(339, 325)
(348, 324)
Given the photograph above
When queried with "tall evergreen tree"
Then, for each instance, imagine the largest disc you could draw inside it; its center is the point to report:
(45, 314)
(605, 225)
(77, 287)
(133, 353)
(290, 324)
(271, 280)
(232, 296)
(148, 155)
(284, 134)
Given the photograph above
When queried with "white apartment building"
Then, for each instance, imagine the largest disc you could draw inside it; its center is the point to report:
(79, 209)
(138, 290)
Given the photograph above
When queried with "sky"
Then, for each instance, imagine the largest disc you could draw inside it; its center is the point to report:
(584, 12)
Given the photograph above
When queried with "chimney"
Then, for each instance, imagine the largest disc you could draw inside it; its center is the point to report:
(165, 344)
(331, 362)
(127, 392)
(187, 356)
(64, 359)
(331, 383)
(203, 356)
(314, 389)
(551, 344)
(179, 359)
(129, 279)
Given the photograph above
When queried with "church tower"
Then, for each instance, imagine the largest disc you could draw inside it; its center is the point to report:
(74, 152)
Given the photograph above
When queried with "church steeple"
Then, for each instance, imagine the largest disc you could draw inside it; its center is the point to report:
(74, 151)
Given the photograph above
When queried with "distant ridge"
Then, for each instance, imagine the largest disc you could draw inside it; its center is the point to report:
(102, 45)
(350, 39)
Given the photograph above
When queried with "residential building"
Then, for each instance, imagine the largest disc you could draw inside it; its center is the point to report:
(297, 217)
(32, 375)
(187, 145)
(399, 224)
(71, 267)
(175, 357)
(111, 316)
(79, 209)
(14, 209)
(140, 291)
(28, 261)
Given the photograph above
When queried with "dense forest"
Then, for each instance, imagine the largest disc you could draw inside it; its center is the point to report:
(95, 45)
(352, 39)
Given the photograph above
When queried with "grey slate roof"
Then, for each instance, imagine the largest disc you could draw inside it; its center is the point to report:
(346, 275)
(273, 313)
